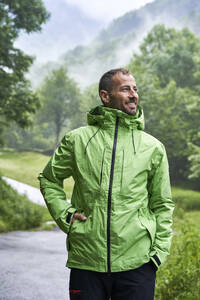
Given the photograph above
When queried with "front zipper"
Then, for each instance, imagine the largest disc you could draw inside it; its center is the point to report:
(110, 193)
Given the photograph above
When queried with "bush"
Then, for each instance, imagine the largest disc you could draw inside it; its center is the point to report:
(179, 278)
(16, 211)
(187, 199)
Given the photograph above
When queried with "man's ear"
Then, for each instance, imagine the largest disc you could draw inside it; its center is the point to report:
(105, 97)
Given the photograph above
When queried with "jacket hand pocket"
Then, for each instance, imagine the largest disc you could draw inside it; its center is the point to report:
(81, 227)
(76, 230)
(148, 220)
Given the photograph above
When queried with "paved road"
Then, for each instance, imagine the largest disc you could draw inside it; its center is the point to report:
(32, 266)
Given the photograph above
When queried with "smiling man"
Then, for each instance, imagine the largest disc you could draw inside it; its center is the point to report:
(119, 221)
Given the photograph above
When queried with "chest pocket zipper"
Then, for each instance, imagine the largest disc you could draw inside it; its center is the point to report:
(101, 173)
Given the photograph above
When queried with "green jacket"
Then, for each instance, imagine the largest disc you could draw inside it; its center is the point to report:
(122, 187)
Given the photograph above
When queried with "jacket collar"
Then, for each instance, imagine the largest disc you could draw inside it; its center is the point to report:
(105, 116)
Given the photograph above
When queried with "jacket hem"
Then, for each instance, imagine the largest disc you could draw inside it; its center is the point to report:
(103, 269)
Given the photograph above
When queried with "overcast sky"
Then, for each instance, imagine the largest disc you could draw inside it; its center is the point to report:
(107, 9)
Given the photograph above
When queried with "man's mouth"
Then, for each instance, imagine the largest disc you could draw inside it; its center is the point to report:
(132, 105)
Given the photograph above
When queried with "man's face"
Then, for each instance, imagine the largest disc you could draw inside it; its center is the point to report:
(124, 94)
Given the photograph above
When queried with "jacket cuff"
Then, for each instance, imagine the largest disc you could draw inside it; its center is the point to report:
(156, 260)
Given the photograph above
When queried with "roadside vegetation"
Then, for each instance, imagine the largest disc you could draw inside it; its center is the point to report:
(179, 277)
(17, 212)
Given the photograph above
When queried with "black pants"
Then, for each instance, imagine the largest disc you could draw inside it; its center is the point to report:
(137, 284)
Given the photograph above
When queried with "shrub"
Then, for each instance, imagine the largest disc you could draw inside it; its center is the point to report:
(16, 211)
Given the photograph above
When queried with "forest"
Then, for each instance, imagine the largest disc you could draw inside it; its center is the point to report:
(167, 73)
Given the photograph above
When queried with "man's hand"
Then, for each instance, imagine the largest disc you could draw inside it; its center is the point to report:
(78, 216)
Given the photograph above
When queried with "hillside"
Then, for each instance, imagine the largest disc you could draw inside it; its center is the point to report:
(114, 45)
(171, 13)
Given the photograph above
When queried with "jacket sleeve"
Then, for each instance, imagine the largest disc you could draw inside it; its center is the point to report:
(60, 166)
(162, 206)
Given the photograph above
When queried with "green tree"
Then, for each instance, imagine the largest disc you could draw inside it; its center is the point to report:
(194, 158)
(167, 71)
(171, 54)
(37, 137)
(194, 142)
(17, 101)
(90, 98)
(61, 99)
(40, 135)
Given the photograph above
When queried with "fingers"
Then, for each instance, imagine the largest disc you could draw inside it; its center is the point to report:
(80, 217)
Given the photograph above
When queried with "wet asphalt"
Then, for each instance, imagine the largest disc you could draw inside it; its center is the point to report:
(32, 266)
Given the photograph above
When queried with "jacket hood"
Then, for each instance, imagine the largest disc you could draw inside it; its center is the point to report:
(105, 116)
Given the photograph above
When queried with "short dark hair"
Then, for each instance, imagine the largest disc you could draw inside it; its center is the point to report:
(105, 83)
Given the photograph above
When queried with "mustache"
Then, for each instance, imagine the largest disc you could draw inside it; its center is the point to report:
(133, 100)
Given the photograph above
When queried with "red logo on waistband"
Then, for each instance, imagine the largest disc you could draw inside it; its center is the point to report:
(74, 292)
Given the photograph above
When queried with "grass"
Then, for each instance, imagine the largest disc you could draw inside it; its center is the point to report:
(22, 166)
(26, 166)
(187, 199)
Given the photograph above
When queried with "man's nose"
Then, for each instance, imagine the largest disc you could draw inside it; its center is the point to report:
(132, 93)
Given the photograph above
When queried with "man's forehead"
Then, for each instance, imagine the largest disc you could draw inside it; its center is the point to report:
(121, 79)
